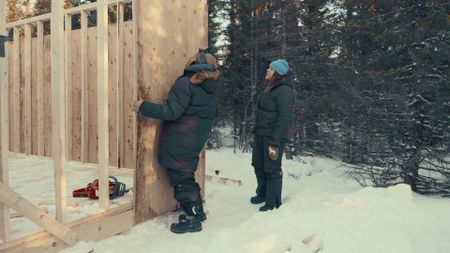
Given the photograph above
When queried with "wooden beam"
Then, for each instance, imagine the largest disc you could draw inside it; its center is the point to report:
(135, 85)
(36, 215)
(102, 101)
(43, 17)
(81, 8)
(68, 86)
(27, 88)
(58, 105)
(40, 87)
(16, 92)
(120, 84)
(134, 8)
(84, 88)
(4, 131)
(93, 228)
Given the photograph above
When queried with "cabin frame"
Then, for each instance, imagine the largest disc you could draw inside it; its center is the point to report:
(48, 91)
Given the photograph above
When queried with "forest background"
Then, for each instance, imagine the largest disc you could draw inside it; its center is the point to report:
(372, 80)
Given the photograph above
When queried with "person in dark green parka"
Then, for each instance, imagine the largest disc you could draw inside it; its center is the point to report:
(272, 130)
(188, 116)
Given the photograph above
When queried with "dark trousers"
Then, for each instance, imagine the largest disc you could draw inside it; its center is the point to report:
(268, 172)
(185, 190)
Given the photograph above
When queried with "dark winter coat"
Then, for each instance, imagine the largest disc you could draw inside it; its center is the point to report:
(274, 112)
(188, 116)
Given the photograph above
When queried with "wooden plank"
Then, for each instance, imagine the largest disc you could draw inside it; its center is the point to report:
(10, 59)
(92, 96)
(27, 89)
(129, 117)
(68, 86)
(58, 111)
(93, 228)
(5, 231)
(84, 88)
(40, 88)
(102, 102)
(22, 22)
(77, 107)
(135, 87)
(48, 118)
(22, 109)
(120, 86)
(16, 99)
(156, 22)
(223, 180)
(36, 215)
(81, 8)
(34, 97)
(113, 103)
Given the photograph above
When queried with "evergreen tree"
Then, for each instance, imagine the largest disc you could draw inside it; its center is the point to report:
(401, 54)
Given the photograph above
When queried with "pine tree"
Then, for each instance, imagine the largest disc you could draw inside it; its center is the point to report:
(398, 50)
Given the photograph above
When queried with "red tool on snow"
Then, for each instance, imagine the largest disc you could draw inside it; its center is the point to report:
(116, 189)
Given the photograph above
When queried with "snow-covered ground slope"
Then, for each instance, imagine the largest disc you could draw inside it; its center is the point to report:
(322, 211)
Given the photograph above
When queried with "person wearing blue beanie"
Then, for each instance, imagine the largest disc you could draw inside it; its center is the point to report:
(272, 132)
(280, 66)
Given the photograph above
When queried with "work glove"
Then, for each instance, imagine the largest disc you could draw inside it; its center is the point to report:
(273, 151)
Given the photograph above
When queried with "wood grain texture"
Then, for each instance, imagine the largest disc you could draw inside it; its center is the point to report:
(169, 33)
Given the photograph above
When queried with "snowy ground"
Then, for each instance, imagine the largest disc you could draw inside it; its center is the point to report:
(32, 178)
(322, 211)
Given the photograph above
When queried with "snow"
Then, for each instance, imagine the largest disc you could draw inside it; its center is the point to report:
(32, 178)
(322, 211)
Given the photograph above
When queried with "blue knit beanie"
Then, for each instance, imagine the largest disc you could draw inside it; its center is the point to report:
(280, 66)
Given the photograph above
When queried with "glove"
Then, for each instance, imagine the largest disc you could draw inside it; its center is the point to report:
(273, 151)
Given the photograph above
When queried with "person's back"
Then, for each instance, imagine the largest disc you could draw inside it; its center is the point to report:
(186, 136)
(188, 115)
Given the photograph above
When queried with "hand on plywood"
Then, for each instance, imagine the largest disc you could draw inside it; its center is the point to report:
(135, 105)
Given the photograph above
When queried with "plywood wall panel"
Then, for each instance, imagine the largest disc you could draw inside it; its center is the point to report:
(169, 33)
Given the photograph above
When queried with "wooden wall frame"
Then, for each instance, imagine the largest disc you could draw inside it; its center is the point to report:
(154, 46)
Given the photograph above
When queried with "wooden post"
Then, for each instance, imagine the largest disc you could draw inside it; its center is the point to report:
(102, 101)
(4, 131)
(58, 108)
(120, 84)
(84, 88)
(40, 87)
(68, 86)
(27, 88)
(16, 91)
(135, 86)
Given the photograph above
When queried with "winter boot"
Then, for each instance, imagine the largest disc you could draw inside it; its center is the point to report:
(266, 208)
(257, 200)
(273, 195)
(260, 190)
(199, 213)
(189, 224)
